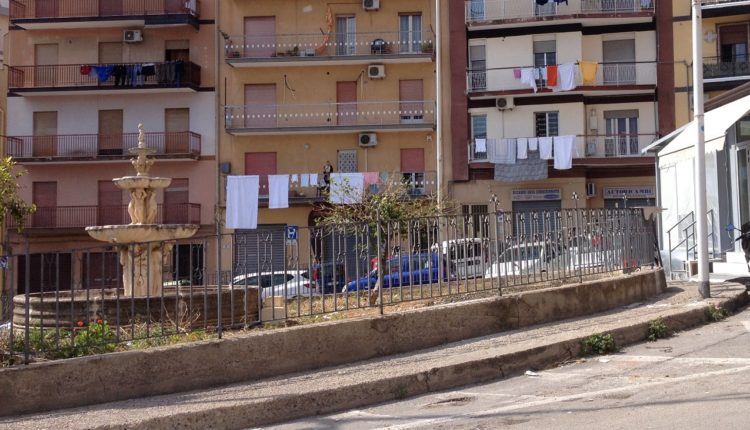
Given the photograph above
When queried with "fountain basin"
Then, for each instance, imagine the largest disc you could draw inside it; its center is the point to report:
(141, 233)
(133, 182)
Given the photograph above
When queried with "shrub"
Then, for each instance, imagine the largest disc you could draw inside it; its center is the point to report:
(602, 343)
(658, 329)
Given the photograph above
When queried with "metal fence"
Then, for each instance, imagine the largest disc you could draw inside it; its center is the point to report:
(73, 301)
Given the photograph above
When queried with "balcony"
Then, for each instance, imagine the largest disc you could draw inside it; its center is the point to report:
(330, 117)
(483, 13)
(716, 70)
(327, 49)
(63, 14)
(591, 147)
(635, 76)
(718, 8)
(96, 147)
(78, 217)
(67, 79)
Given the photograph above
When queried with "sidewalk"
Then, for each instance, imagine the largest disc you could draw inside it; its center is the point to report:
(461, 363)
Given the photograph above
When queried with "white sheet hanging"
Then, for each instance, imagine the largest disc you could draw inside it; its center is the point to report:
(305, 180)
(242, 202)
(278, 191)
(566, 77)
(522, 145)
(347, 188)
(545, 148)
(564, 152)
(529, 77)
(533, 144)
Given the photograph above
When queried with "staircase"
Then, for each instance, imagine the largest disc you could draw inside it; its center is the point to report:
(683, 248)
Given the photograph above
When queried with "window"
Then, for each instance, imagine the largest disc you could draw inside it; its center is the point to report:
(177, 50)
(410, 27)
(545, 54)
(733, 43)
(546, 124)
(477, 67)
(176, 198)
(44, 196)
(412, 170)
(45, 131)
(477, 10)
(622, 133)
(347, 161)
(176, 127)
(618, 67)
(110, 132)
(478, 131)
(346, 35)
(411, 98)
(260, 105)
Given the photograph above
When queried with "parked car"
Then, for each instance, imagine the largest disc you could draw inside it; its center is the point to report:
(329, 277)
(405, 270)
(522, 258)
(288, 284)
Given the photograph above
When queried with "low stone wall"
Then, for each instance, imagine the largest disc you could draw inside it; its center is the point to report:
(118, 376)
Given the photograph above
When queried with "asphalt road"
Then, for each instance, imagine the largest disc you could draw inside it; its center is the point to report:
(699, 379)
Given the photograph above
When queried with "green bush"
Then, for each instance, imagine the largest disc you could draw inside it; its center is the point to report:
(714, 314)
(602, 343)
(658, 329)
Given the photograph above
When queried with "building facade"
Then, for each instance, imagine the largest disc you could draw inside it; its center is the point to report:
(507, 55)
(82, 77)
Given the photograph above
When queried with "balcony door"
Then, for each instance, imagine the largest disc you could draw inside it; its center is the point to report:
(260, 37)
(176, 199)
(44, 195)
(622, 133)
(110, 133)
(261, 164)
(174, 6)
(110, 208)
(411, 101)
(110, 7)
(733, 49)
(346, 99)
(618, 67)
(412, 169)
(477, 67)
(410, 33)
(47, 8)
(260, 106)
(45, 134)
(46, 62)
(346, 35)
(177, 126)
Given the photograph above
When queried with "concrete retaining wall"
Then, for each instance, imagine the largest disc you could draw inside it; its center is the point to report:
(133, 374)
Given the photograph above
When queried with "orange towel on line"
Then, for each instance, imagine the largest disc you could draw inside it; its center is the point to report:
(588, 72)
(551, 76)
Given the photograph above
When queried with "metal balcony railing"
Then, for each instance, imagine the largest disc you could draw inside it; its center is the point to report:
(330, 115)
(588, 146)
(173, 74)
(338, 45)
(85, 216)
(607, 75)
(500, 10)
(36, 9)
(715, 67)
(100, 146)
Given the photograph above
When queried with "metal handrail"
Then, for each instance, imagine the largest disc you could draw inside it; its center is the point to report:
(688, 234)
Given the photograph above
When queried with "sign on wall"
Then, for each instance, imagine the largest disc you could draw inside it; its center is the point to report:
(644, 192)
(536, 195)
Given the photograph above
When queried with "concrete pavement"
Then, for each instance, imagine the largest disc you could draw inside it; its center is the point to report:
(364, 383)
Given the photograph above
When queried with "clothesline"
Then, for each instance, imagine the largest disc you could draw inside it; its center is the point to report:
(559, 77)
(170, 73)
(561, 149)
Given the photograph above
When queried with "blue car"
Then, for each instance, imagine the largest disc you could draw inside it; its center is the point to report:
(412, 269)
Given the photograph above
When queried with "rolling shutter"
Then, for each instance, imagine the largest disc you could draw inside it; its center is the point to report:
(260, 250)
(523, 217)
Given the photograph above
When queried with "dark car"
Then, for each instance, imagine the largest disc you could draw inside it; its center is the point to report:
(329, 276)
(405, 270)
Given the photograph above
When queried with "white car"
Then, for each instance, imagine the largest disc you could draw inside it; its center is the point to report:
(519, 259)
(287, 284)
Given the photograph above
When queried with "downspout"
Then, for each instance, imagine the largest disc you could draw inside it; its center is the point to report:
(217, 130)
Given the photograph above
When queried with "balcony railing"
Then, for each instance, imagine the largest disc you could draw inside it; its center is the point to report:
(607, 75)
(588, 146)
(174, 74)
(290, 47)
(391, 114)
(51, 9)
(99, 146)
(715, 68)
(85, 216)
(501, 10)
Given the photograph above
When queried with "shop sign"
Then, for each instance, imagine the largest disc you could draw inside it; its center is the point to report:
(536, 195)
(645, 192)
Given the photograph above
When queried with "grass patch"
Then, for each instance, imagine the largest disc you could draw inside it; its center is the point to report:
(598, 344)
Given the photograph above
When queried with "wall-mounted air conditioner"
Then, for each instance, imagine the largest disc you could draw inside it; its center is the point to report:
(371, 4)
(132, 36)
(376, 71)
(504, 103)
(368, 140)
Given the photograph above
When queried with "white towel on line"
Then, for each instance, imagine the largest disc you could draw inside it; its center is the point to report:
(294, 179)
(528, 77)
(480, 145)
(566, 77)
(347, 188)
(522, 145)
(545, 148)
(533, 144)
(304, 180)
(564, 152)
(278, 191)
(314, 179)
(242, 202)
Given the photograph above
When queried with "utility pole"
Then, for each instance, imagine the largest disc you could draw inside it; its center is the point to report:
(439, 102)
(700, 153)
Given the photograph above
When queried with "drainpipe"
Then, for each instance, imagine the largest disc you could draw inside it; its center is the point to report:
(217, 140)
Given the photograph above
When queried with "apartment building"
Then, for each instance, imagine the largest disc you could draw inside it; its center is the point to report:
(310, 83)
(82, 76)
(607, 101)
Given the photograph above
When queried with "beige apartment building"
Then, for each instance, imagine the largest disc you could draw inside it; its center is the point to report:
(306, 83)
(82, 76)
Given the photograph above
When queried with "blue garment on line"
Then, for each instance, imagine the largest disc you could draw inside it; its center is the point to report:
(103, 72)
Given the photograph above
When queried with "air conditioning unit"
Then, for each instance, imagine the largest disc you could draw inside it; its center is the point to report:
(368, 140)
(376, 71)
(132, 36)
(371, 4)
(590, 189)
(503, 103)
(590, 149)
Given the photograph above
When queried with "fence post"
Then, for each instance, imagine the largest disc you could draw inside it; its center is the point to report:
(219, 296)
(27, 291)
(380, 261)
(495, 203)
(578, 238)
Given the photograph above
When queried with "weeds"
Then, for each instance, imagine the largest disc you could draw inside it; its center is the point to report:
(658, 329)
(601, 344)
(714, 314)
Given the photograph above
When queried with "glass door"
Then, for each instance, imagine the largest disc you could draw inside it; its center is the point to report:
(346, 35)
(743, 187)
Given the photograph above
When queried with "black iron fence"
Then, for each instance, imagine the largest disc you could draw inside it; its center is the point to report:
(73, 301)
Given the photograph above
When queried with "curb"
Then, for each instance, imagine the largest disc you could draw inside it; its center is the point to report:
(290, 407)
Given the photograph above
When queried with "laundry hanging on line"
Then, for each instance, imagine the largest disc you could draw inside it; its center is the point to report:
(242, 202)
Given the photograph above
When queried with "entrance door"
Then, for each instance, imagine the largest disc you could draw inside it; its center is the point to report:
(346, 98)
(260, 37)
(110, 206)
(45, 60)
(743, 183)
(44, 195)
(45, 134)
(110, 8)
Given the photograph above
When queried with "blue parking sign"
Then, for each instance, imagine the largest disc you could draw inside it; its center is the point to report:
(291, 232)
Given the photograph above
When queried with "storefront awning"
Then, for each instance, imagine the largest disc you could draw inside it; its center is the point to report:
(716, 123)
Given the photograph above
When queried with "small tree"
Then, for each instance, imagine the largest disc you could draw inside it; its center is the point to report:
(390, 205)
(10, 203)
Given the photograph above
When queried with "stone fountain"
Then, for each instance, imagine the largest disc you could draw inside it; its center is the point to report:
(143, 246)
